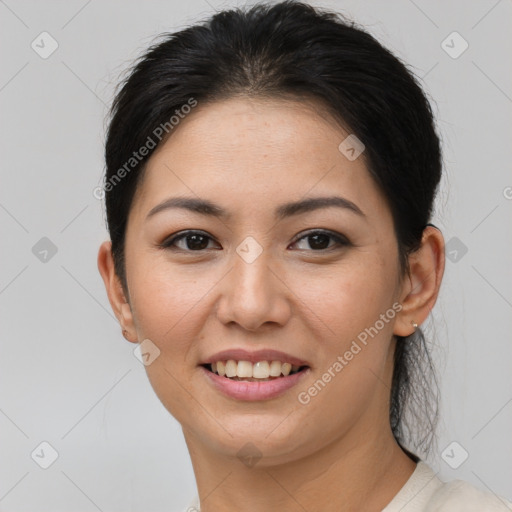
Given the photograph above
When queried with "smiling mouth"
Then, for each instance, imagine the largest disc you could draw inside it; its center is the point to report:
(258, 372)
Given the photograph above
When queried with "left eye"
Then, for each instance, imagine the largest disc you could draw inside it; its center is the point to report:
(319, 240)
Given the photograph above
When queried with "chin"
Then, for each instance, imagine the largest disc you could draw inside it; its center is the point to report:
(269, 440)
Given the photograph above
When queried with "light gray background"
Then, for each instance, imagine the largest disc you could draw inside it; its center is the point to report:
(68, 377)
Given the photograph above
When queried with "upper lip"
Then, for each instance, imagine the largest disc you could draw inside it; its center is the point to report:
(240, 354)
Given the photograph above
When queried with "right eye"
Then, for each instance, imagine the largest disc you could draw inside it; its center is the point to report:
(192, 241)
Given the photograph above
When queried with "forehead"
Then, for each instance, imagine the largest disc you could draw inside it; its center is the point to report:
(246, 152)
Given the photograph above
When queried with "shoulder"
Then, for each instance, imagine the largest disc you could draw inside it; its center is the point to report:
(459, 496)
(425, 492)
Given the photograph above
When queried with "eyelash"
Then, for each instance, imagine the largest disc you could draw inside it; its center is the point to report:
(339, 239)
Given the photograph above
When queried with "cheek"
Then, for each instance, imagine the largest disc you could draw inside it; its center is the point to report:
(166, 298)
(353, 342)
(356, 304)
(170, 308)
(351, 297)
(169, 302)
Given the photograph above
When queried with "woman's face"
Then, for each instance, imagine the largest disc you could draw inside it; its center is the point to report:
(253, 280)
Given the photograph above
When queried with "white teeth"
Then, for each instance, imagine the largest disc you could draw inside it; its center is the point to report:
(286, 368)
(247, 370)
(221, 368)
(231, 368)
(275, 368)
(261, 370)
(244, 369)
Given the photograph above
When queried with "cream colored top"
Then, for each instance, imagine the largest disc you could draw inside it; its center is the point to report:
(425, 492)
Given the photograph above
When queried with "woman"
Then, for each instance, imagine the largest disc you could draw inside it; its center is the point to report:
(270, 181)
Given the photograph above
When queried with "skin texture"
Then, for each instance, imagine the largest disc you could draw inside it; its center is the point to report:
(249, 156)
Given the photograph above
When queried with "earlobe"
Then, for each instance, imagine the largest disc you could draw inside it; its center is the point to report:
(422, 284)
(115, 292)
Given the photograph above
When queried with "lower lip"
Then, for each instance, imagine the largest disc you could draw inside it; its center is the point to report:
(252, 391)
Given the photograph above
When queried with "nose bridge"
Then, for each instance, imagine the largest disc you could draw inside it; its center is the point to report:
(251, 271)
(252, 295)
(251, 277)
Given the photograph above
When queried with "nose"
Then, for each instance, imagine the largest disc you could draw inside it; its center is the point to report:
(253, 295)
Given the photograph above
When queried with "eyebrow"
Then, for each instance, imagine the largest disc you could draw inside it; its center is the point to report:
(208, 208)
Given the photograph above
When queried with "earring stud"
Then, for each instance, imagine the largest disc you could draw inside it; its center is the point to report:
(415, 325)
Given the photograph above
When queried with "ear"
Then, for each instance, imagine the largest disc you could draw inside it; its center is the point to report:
(421, 286)
(115, 292)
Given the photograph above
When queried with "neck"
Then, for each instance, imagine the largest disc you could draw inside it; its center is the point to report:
(362, 471)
